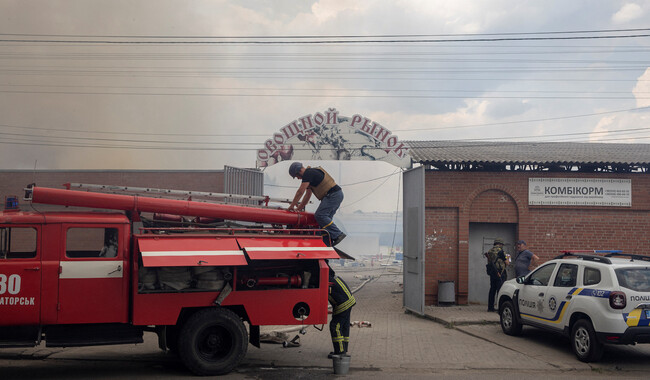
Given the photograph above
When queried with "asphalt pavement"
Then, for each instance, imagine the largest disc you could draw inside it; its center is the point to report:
(449, 342)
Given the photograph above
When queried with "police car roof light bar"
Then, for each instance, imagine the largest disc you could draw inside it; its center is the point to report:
(593, 251)
(600, 259)
(631, 256)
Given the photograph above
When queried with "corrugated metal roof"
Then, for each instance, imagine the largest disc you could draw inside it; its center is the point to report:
(533, 153)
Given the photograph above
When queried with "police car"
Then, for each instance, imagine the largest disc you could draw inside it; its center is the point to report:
(594, 300)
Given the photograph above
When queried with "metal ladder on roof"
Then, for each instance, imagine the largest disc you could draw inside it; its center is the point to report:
(261, 199)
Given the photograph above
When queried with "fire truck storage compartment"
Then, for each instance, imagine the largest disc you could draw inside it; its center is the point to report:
(195, 262)
(187, 262)
(282, 262)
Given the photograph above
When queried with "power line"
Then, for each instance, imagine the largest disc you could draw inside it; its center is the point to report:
(410, 57)
(351, 145)
(234, 147)
(332, 89)
(77, 131)
(397, 170)
(193, 71)
(556, 97)
(345, 185)
(334, 35)
(320, 42)
(326, 39)
(329, 55)
(524, 121)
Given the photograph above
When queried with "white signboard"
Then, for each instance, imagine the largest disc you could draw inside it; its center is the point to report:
(328, 136)
(580, 192)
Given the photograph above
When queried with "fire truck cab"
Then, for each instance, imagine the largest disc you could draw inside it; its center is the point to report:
(97, 278)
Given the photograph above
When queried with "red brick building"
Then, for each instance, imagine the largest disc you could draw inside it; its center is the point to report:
(475, 192)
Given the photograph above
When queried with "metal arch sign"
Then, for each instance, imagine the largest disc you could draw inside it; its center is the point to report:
(328, 136)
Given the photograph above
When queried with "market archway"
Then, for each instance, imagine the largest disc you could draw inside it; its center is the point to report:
(327, 136)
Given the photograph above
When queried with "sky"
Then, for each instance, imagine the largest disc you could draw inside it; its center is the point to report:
(196, 85)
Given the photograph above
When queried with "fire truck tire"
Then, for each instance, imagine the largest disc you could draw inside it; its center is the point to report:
(212, 342)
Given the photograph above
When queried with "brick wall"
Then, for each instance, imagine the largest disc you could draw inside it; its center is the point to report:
(454, 199)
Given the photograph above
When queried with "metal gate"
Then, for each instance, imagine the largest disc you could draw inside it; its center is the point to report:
(414, 240)
(244, 182)
(481, 239)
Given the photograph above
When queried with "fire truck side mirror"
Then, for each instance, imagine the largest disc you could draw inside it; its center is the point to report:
(28, 192)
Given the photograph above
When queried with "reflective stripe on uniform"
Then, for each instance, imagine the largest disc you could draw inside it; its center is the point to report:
(338, 338)
(347, 304)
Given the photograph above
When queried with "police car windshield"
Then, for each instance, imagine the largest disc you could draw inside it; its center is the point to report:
(637, 279)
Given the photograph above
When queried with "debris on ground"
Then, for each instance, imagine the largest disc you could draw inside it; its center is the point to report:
(295, 342)
(360, 324)
(274, 337)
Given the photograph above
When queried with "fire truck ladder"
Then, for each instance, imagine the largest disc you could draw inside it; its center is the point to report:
(261, 199)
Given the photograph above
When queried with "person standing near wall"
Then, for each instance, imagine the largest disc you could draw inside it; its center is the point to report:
(525, 260)
(496, 269)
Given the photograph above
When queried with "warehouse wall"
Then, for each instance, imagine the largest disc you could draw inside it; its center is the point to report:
(453, 200)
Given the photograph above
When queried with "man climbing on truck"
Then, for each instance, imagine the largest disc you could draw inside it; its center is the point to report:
(330, 195)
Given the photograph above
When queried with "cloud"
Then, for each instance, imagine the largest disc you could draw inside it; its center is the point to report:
(642, 89)
(324, 10)
(627, 13)
(604, 125)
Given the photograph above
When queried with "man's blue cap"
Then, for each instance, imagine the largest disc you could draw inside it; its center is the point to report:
(521, 242)
(294, 169)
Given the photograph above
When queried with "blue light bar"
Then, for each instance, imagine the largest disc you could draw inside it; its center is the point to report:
(11, 203)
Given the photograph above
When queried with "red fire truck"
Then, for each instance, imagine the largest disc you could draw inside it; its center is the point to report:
(79, 278)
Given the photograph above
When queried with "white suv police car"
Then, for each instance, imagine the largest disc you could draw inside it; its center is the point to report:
(592, 299)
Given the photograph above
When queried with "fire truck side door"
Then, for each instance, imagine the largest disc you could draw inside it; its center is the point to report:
(92, 279)
(20, 276)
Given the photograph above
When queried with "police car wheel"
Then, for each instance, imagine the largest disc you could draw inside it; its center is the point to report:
(584, 342)
(509, 322)
(212, 342)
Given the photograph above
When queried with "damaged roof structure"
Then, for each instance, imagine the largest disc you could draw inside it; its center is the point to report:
(531, 156)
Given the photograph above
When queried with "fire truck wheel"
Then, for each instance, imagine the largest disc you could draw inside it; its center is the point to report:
(212, 342)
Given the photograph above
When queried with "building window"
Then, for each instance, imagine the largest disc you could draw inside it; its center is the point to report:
(18, 243)
(91, 242)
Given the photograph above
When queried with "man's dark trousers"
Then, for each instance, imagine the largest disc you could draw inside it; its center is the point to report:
(342, 301)
(495, 285)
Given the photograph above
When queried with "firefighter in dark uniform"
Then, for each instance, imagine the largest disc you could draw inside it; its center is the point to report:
(342, 301)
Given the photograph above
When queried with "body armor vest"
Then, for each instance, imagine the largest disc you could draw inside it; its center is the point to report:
(324, 186)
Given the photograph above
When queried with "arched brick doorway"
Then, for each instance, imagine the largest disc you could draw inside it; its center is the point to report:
(492, 214)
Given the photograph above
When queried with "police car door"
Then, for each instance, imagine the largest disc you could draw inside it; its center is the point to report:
(533, 293)
(558, 295)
